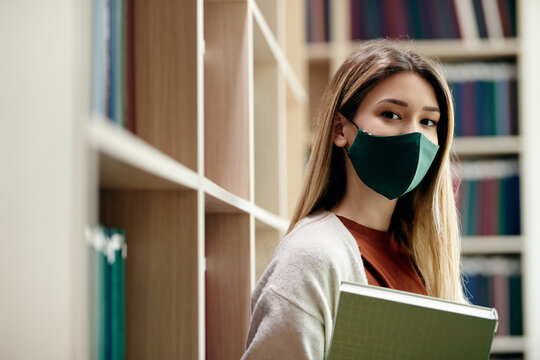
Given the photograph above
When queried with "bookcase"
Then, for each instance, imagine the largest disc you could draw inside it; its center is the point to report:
(332, 27)
(203, 182)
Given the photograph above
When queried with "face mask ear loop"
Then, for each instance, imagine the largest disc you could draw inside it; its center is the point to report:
(356, 126)
(352, 122)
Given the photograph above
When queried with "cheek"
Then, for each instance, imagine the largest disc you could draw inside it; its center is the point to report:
(432, 136)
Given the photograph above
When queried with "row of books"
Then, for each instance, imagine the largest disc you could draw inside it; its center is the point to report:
(488, 197)
(417, 19)
(109, 256)
(496, 282)
(485, 96)
(112, 84)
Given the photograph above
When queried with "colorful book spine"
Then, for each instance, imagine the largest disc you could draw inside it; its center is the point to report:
(425, 19)
(112, 85)
(416, 19)
(488, 197)
(318, 20)
(485, 98)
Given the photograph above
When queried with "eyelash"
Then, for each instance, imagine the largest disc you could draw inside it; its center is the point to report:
(391, 115)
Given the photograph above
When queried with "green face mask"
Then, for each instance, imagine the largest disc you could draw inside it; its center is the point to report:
(391, 165)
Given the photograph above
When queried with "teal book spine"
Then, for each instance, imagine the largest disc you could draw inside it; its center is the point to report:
(516, 306)
(104, 304)
(117, 291)
(489, 94)
(502, 104)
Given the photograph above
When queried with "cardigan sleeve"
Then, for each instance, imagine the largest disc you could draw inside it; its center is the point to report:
(294, 302)
(281, 329)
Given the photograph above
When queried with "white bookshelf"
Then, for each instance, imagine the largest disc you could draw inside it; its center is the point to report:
(323, 60)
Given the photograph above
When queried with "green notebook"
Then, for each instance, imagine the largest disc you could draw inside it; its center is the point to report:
(378, 323)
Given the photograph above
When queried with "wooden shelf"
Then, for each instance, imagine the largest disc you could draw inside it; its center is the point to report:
(478, 245)
(219, 200)
(447, 50)
(127, 162)
(488, 145)
(508, 344)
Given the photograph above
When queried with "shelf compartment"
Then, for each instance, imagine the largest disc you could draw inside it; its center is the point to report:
(227, 284)
(165, 76)
(161, 269)
(269, 147)
(266, 241)
(227, 96)
(127, 162)
(273, 44)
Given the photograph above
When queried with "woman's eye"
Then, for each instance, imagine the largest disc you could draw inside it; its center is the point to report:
(390, 115)
(428, 122)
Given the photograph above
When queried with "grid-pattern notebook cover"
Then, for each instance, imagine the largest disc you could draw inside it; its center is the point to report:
(379, 323)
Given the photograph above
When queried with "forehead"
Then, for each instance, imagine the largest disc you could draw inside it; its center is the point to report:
(405, 86)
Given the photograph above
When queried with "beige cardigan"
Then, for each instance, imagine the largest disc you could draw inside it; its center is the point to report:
(294, 302)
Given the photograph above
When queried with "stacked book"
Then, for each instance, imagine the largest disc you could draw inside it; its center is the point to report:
(488, 197)
(485, 97)
(109, 255)
(112, 84)
(496, 282)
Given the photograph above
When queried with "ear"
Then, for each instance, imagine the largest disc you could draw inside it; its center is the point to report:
(338, 134)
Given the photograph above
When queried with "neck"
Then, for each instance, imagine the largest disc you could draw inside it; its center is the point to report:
(364, 205)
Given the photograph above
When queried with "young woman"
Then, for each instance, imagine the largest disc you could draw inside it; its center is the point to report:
(377, 204)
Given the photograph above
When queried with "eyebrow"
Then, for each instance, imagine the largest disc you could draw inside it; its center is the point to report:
(404, 104)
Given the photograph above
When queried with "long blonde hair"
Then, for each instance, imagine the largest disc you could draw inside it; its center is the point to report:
(425, 219)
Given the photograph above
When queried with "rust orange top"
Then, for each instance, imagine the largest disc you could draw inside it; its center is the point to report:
(387, 262)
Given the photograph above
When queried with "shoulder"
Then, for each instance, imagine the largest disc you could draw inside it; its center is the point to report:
(319, 235)
(312, 260)
(302, 281)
